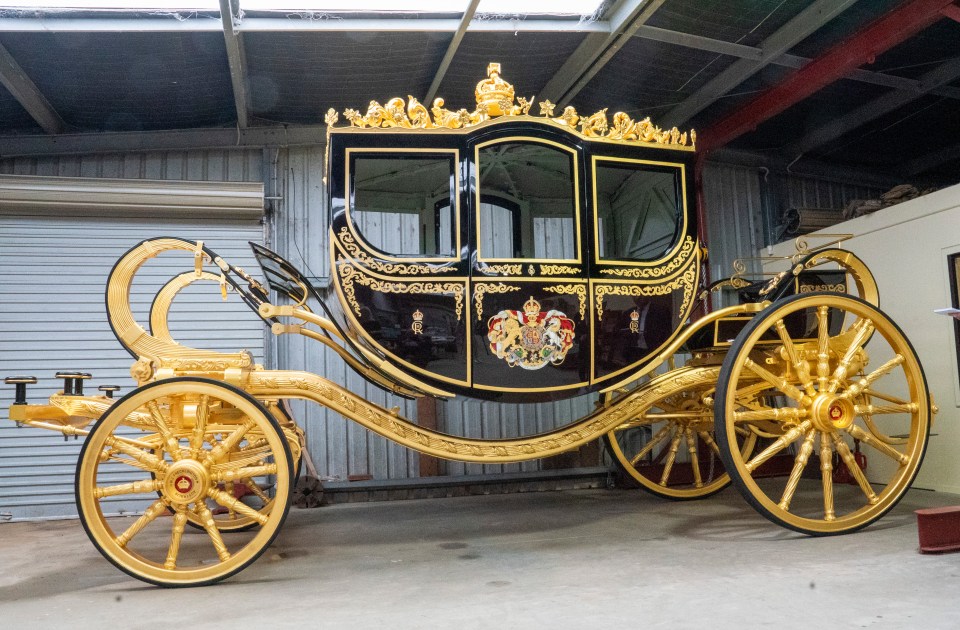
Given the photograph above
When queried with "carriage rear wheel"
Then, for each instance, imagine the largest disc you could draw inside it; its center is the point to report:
(822, 375)
(668, 445)
(182, 439)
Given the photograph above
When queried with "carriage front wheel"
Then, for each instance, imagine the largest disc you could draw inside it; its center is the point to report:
(168, 452)
(818, 377)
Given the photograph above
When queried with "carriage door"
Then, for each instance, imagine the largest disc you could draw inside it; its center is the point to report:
(529, 293)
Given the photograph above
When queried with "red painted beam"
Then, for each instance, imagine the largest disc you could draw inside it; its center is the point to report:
(951, 11)
(862, 47)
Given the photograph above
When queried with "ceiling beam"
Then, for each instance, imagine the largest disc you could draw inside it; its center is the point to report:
(951, 11)
(786, 37)
(852, 52)
(942, 74)
(451, 51)
(698, 42)
(28, 94)
(212, 23)
(178, 140)
(597, 49)
(237, 59)
(924, 163)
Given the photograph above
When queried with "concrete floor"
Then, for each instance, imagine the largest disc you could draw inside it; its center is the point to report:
(574, 559)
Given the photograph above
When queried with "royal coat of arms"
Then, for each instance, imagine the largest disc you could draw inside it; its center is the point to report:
(530, 338)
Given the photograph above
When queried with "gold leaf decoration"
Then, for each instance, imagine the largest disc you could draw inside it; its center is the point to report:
(481, 289)
(685, 281)
(497, 98)
(559, 270)
(579, 290)
(350, 275)
(350, 245)
(657, 271)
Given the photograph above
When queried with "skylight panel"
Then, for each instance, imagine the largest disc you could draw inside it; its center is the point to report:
(486, 7)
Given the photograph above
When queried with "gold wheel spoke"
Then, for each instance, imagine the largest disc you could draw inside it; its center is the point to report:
(257, 491)
(134, 487)
(803, 371)
(247, 472)
(169, 439)
(151, 461)
(656, 439)
(173, 551)
(782, 384)
(859, 434)
(826, 475)
(229, 502)
(887, 397)
(671, 455)
(863, 385)
(710, 442)
(206, 518)
(694, 460)
(225, 447)
(196, 439)
(781, 443)
(854, 469)
(117, 459)
(798, 465)
(789, 414)
(877, 410)
(149, 515)
(866, 328)
(823, 346)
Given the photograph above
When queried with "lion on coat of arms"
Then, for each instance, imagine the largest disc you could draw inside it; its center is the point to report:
(530, 338)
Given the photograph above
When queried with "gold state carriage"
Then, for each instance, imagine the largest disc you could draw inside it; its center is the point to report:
(501, 254)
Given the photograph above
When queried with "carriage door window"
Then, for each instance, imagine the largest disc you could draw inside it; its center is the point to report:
(639, 209)
(526, 202)
(400, 203)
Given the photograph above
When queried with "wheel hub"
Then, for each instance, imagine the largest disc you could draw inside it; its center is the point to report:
(186, 481)
(830, 412)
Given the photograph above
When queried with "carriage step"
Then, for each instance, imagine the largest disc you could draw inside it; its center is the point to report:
(73, 382)
(108, 390)
(20, 383)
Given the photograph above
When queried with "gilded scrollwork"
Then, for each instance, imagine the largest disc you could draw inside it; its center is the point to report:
(350, 245)
(507, 270)
(657, 271)
(482, 288)
(398, 428)
(580, 290)
(350, 275)
(559, 270)
(685, 281)
(496, 98)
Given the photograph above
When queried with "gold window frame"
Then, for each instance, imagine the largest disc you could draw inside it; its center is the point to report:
(576, 201)
(619, 262)
(376, 252)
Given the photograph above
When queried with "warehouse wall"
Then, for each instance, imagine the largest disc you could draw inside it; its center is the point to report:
(906, 247)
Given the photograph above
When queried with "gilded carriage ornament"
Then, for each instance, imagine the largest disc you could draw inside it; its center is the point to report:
(417, 325)
(635, 322)
(496, 98)
(530, 338)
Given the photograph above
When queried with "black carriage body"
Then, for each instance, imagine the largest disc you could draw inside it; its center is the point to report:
(516, 260)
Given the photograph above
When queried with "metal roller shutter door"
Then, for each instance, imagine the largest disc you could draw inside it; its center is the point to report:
(53, 271)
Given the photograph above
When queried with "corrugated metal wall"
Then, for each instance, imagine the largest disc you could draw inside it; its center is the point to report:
(224, 165)
(733, 200)
(36, 466)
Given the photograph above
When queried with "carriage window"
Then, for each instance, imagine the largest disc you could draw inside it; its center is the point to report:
(527, 202)
(639, 209)
(400, 203)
